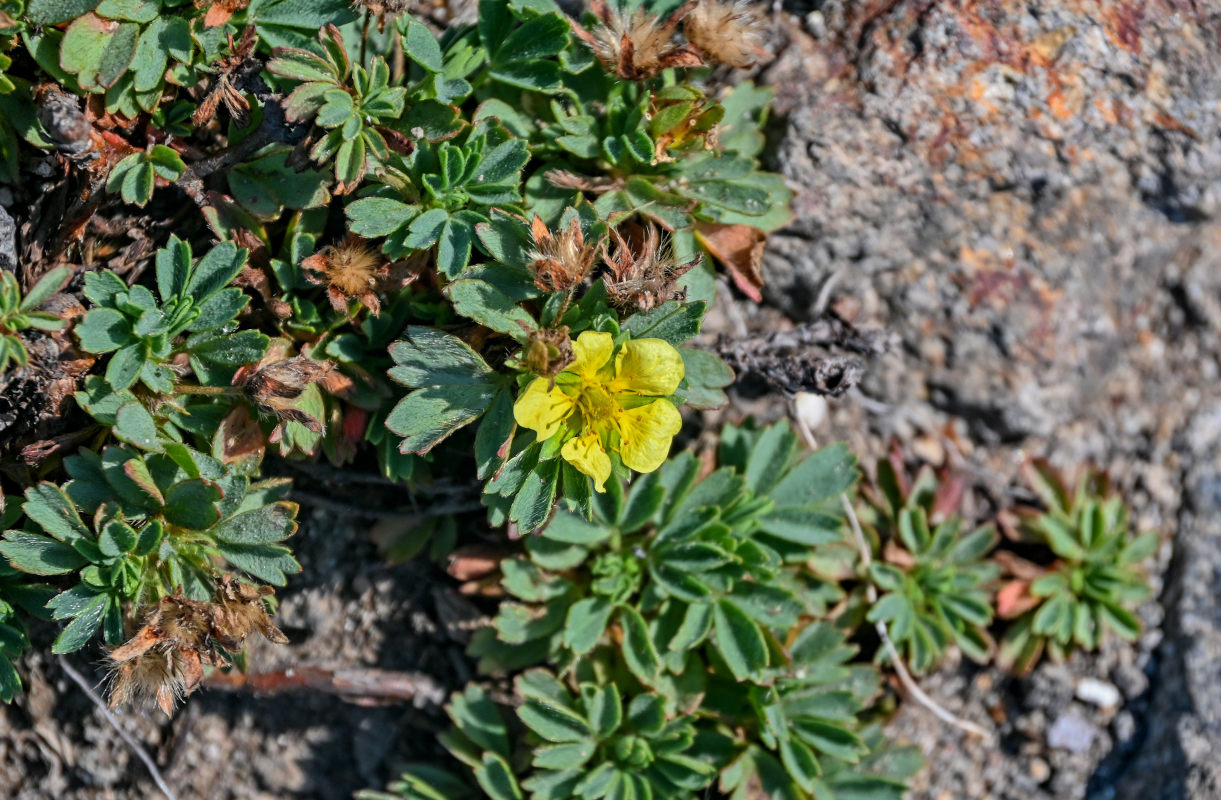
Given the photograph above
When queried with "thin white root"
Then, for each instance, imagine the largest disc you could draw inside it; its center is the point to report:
(127, 738)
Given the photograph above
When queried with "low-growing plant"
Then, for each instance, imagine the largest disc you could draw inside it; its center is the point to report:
(346, 101)
(693, 597)
(194, 299)
(934, 581)
(134, 528)
(18, 313)
(1094, 581)
(592, 743)
(427, 320)
(472, 259)
(18, 591)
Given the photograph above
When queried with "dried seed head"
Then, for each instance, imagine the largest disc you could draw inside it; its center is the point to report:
(164, 661)
(349, 271)
(638, 46)
(643, 274)
(548, 352)
(153, 675)
(561, 260)
(231, 71)
(287, 378)
(274, 386)
(726, 31)
(239, 611)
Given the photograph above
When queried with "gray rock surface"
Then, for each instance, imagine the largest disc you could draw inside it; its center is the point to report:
(1029, 195)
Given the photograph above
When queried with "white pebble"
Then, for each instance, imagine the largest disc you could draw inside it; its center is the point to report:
(1097, 693)
(811, 408)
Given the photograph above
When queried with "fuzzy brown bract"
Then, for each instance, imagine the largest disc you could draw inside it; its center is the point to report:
(379, 7)
(560, 260)
(274, 385)
(230, 72)
(725, 31)
(164, 660)
(637, 46)
(352, 270)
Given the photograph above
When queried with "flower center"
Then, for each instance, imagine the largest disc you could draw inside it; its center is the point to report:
(597, 406)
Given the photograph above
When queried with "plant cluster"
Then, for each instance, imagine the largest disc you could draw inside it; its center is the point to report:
(409, 245)
(1061, 576)
(933, 577)
(1094, 578)
(476, 257)
(688, 642)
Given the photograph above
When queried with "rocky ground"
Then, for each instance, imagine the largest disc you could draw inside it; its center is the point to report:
(1027, 195)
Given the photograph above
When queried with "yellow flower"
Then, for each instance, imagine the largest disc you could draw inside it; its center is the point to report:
(608, 402)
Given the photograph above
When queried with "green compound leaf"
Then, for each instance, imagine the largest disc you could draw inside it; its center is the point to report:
(98, 51)
(738, 640)
(267, 562)
(638, 650)
(476, 716)
(49, 506)
(379, 216)
(295, 23)
(272, 523)
(191, 504)
(536, 498)
(420, 45)
(554, 721)
(428, 357)
(134, 425)
(40, 555)
(587, 620)
(53, 12)
(427, 416)
(215, 270)
(495, 777)
(82, 628)
(488, 306)
(672, 321)
(103, 330)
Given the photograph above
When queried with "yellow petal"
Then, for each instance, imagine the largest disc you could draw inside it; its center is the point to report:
(593, 351)
(585, 452)
(648, 366)
(645, 434)
(542, 409)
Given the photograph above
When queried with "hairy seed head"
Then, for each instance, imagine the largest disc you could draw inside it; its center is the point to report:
(726, 31)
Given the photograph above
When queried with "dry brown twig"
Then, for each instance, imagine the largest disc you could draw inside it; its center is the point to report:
(360, 685)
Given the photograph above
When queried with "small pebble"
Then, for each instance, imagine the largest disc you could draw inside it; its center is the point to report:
(1097, 693)
(1124, 726)
(1039, 770)
(811, 408)
(1071, 732)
